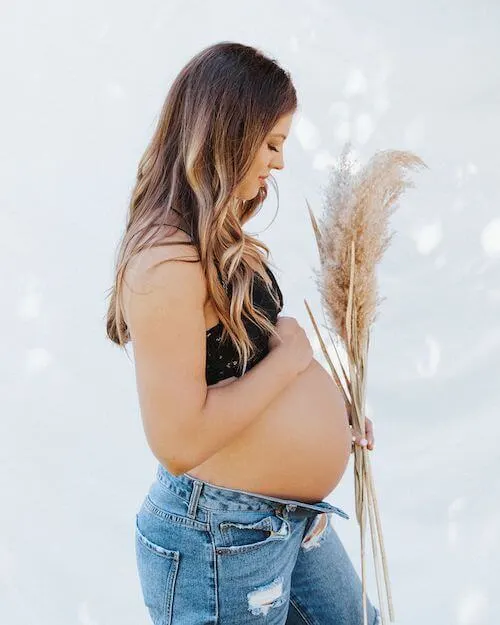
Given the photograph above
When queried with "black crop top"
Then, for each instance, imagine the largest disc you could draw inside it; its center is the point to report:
(221, 357)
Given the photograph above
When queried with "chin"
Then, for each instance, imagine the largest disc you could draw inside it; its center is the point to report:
(249, 194)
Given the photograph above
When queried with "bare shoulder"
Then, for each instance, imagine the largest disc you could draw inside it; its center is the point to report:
(171, 267)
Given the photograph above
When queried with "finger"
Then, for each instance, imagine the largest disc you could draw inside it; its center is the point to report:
(369, 433)
(368, 439)
(360, 440)
(364, 442)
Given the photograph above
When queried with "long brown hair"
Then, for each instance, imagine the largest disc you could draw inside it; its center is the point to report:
(216, 115)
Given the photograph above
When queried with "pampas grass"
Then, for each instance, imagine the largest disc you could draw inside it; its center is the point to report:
(352, 236)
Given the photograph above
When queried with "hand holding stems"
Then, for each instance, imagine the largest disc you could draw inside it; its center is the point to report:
(368, 439)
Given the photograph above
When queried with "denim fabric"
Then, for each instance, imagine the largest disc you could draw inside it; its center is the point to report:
(213, 555)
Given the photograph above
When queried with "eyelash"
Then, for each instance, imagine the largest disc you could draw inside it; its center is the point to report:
(271, 147)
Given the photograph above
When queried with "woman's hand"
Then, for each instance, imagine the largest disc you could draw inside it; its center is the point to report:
(368, 439)
(292, 340)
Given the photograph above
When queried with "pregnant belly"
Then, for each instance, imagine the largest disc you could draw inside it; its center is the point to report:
(298, 448)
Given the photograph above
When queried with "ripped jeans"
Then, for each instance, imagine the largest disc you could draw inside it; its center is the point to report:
(213, 555)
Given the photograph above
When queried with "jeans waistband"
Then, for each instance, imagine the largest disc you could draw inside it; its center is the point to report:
(209, 495)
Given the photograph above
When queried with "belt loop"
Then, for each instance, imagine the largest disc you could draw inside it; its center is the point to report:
(282, 510)
(193, 499)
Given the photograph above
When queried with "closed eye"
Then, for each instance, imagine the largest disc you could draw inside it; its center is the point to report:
(272, 147)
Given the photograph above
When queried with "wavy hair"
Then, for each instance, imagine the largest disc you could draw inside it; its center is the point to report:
(216, 115)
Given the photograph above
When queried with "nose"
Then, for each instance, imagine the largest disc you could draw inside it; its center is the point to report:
(278, 164)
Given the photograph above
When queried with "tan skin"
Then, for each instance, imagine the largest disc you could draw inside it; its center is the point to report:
(299, 446)
(234, 465)
(269, 157)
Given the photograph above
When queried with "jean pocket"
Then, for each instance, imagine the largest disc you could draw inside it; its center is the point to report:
(157, 568)
(240, 537)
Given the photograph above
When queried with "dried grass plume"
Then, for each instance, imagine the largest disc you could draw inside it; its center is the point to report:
(357, 207)
(352, 236)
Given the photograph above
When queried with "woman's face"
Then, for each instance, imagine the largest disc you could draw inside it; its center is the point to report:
(269, 156)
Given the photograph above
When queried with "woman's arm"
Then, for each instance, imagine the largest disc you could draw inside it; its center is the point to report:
(230, 408)
(186, 421)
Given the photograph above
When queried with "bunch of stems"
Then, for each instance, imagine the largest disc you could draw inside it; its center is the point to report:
(351, 237)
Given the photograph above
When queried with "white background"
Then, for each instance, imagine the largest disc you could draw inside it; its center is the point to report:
(82, 85)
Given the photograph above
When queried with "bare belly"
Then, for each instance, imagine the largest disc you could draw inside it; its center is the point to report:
(298, 448)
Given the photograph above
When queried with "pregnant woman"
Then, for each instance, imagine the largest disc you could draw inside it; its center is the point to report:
(249, 430)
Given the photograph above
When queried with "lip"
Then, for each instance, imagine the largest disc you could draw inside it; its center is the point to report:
(262, 177)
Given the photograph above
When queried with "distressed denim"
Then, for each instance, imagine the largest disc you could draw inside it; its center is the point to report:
(213, 555)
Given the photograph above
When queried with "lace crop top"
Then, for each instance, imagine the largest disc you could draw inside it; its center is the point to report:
(222, 358)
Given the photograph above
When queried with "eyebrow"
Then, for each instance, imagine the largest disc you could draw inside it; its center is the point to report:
(278, 135)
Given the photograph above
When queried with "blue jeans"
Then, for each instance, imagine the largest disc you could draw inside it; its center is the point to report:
(213, 555)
